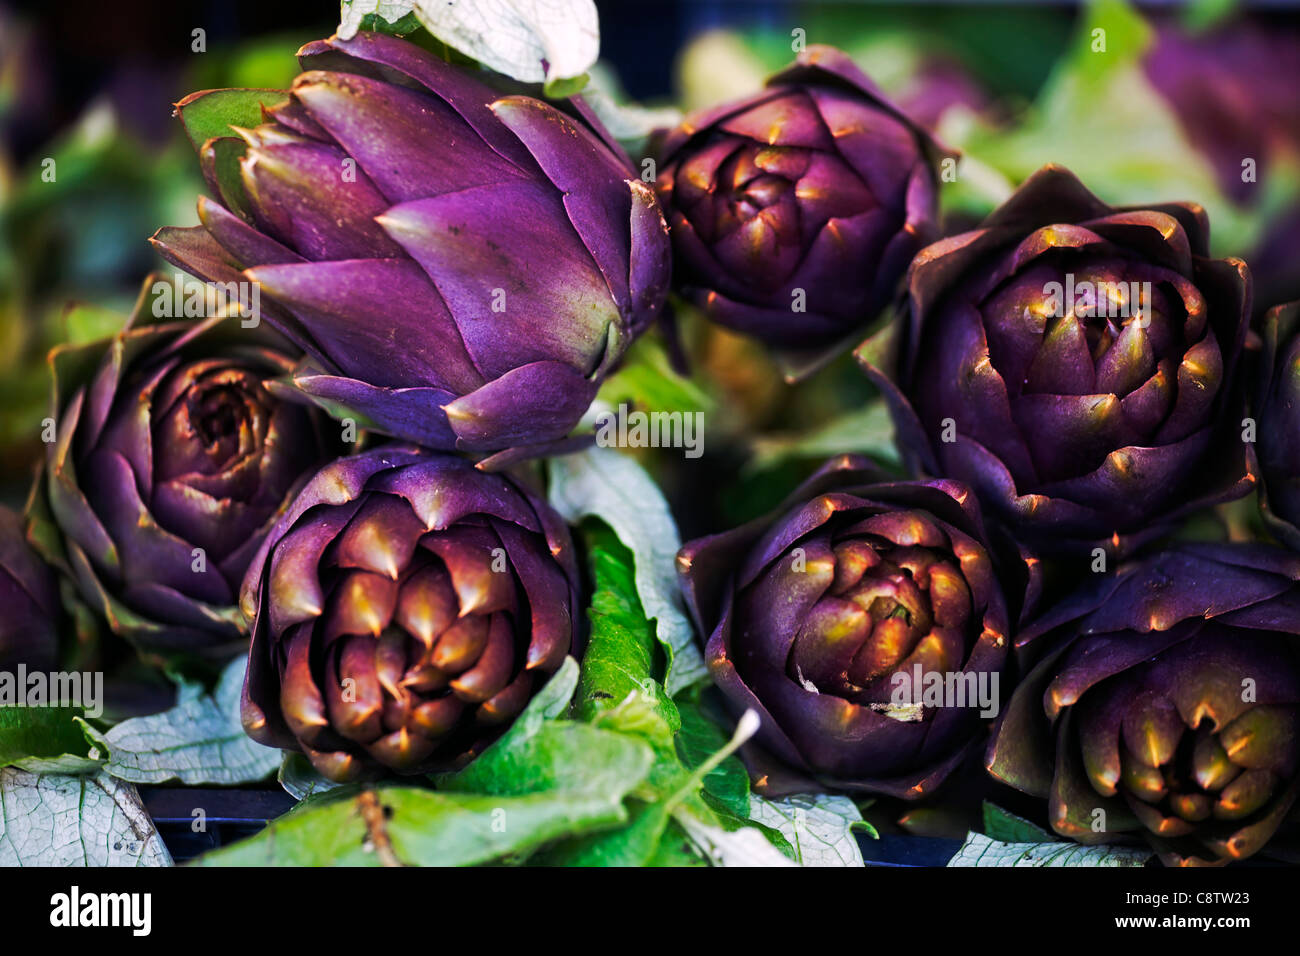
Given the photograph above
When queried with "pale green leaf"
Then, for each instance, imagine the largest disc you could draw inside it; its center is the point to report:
(533, 41)
(744, 847)
(59, 820)
(602, 483)
(300, 779)
(199, 741)
(818, 826)
(979, 850)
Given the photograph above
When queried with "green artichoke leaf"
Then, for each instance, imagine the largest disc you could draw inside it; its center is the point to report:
(672, 793)
(980, 850)
(1006, 827)
(390, 16)
(694, 775)
(66, 820)
(743, 846)
(395, 826)
(676, 848)
(617, 678)
(47, 740)
(635, 844)
(200, 741)
(617, 693)
(562, 756)
(726, 786)
(565, 86)
(602, 483)
(547, 778)
(210, 114)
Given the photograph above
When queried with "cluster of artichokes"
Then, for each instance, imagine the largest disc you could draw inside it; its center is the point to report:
(404, 252)
(1069, 383)
(454, 270)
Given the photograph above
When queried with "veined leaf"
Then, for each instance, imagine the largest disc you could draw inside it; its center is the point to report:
(618, 664)
(818, 825)
(60, 820)
(979, 850)
(199, 741)
(728, 782)
(562, 756)
(533, 41)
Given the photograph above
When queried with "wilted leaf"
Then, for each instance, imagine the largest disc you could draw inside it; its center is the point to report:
(199, 741)
(58, 820)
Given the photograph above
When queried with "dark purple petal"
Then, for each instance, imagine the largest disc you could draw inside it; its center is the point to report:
(508, 265)
(540, 400)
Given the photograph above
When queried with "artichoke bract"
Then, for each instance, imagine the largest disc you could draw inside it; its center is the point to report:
(1277, 415)
(1165, 702)
(1074, 364)
(794, 212)
(405, 609)
(29, 598)
(170, 462)
(832, 617)
(461, 268)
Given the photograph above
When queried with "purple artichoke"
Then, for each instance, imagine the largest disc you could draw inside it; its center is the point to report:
(1073, 363)
(1277, 416)
(1165, 703)
(30, 599)
(405, 609)
(1232, 110)
(940, 84)
(821, 615)
(794, 212)
(462, 268)
(171, 462)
